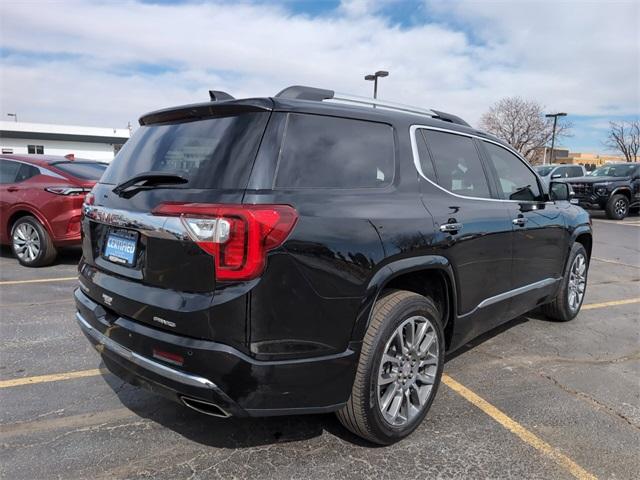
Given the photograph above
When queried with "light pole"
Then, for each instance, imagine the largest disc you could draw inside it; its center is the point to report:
(14, 115)
(374, 78)
(553, 135)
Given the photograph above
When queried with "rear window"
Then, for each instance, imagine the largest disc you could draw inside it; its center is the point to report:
(211, 153)
(83, 170)
(329, 152)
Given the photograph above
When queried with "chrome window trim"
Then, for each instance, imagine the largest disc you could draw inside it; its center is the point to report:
(418, 165)
(512, 293)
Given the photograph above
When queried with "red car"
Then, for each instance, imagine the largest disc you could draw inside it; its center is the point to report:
(41, 202)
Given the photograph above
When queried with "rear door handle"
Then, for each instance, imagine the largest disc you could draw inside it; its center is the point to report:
(520, 221)
(12, 189)
(451, 227)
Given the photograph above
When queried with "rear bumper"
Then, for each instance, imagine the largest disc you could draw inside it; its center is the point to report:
(214, 372)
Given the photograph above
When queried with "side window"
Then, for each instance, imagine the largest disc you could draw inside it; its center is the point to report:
(516, 181)
(26, 172)
(457, 165)
(425, 158)
(8, 171)
(561, 171)
(330, 152)
(575, 172)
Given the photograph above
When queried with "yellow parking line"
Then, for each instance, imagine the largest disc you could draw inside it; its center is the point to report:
(628, 301)
(614, 262)
(16, 382)
(514, 427)
(38, 280)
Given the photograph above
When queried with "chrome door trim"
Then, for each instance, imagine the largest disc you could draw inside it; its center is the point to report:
(513, 293)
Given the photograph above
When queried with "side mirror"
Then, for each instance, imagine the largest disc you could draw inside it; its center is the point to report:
(559, 191)
(556, 175)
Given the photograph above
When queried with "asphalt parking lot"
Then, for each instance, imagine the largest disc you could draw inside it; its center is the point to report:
(534, 399)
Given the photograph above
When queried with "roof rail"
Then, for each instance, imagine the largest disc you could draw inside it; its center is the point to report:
(299, 92)
(218, 95)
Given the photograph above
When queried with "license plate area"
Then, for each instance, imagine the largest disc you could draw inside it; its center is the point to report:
(121, 247)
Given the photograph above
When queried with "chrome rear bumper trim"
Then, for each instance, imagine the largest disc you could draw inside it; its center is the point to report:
(155, 367)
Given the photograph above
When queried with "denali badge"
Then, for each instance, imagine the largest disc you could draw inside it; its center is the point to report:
(164, 322)
(107, 299)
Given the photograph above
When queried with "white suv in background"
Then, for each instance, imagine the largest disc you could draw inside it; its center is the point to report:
(557, 171)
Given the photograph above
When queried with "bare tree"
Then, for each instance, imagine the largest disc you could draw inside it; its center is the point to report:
(624, 137)
(522, 124)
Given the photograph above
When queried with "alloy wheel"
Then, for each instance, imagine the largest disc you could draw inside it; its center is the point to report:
(620, 207)
(577, 282)
(26, 242)
(407, 371)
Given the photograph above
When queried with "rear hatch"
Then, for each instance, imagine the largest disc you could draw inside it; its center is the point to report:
(141, 254)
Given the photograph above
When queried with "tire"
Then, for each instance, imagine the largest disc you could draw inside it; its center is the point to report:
(362, 414)
(617, 207)
(563, 308)
(31, 244)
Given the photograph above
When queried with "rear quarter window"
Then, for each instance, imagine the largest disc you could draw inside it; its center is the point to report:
(83, 170)
(329, 152)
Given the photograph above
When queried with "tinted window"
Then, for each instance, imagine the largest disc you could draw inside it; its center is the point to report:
(84, 170)
(544, 171)
(26, 172)
(575, 172)
(614, 171)
(8, 171)
(329, 152)
(425, 159)
(211, 153)
(457, 165)
(516, 181)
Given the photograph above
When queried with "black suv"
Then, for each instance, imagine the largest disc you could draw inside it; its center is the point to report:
(313, 253)
(614, 188)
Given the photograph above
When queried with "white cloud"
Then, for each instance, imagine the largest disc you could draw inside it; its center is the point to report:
(578, 57)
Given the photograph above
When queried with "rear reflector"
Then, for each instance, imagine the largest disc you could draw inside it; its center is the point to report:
(237, 236)
(169, 357)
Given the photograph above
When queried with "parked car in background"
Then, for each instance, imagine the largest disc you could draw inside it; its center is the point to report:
(559, 171)
(288, 255)
(41, 203)
(614, 188)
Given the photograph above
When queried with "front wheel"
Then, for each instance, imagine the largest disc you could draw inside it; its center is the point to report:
(617, 207)
(399, 369)
(567, 303)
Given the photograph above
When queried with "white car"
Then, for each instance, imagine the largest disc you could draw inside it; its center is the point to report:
(558, 171)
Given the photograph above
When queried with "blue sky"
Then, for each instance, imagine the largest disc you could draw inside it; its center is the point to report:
(106, 63)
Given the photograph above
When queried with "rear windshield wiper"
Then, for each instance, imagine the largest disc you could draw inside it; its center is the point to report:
(146, 181)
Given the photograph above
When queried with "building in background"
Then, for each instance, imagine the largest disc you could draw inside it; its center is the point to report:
(84, 142)
(564, 156)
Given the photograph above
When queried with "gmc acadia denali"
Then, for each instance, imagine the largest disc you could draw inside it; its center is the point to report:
(314, 252)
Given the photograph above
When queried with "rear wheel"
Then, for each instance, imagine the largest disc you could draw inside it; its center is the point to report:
(617, 207)
(31, 243)
(399, 368)
(567, 303)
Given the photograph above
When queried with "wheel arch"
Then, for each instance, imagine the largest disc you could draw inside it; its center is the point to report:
(626, 191)
(430, 274)
(25, 212)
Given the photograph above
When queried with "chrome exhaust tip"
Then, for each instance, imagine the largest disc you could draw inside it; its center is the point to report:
(207, 408)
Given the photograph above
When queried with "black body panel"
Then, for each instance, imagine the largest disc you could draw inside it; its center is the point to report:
(288, 340)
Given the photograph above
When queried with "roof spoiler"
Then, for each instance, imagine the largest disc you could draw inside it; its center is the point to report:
(219, 96)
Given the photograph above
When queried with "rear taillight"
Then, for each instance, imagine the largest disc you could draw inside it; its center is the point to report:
(67, 190)
(237, 236)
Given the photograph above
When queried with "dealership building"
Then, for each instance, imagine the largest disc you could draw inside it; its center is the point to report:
(83, 142)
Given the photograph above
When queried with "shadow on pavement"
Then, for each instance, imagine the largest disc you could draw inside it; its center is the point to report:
(66, 256)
